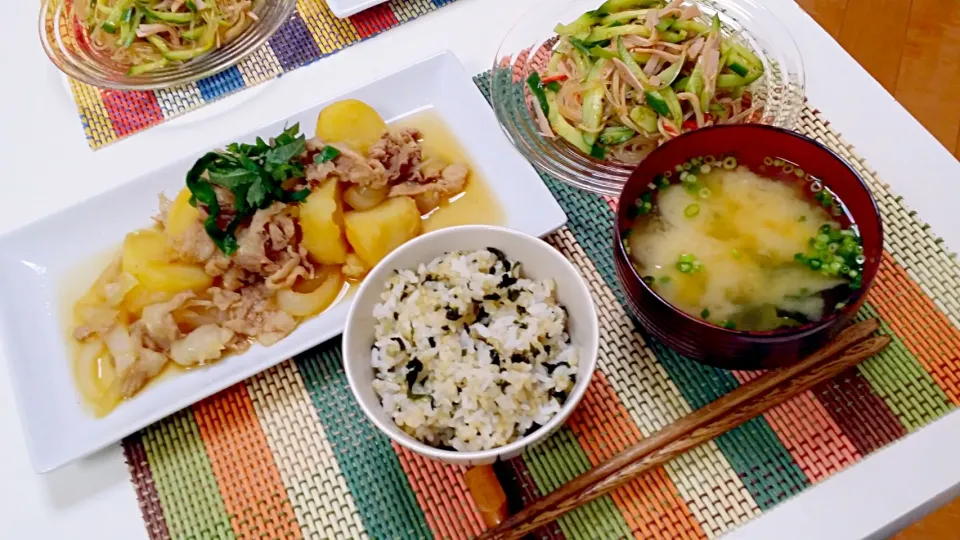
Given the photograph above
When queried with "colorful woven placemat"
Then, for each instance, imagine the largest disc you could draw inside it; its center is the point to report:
(311, 33)
(289, 454)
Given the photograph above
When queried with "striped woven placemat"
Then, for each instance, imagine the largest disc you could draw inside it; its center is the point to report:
(311, 33)
(288, 453)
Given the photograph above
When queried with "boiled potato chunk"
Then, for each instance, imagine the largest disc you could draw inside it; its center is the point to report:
(376, 232)
(352, 122)
(181, 215)
(321, 221)
(174, 277)
(146, 255)
(354, 268)
(142, 248)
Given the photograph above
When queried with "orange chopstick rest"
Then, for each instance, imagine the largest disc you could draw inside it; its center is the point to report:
(487, 494)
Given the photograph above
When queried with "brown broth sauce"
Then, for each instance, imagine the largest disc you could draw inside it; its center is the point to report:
(477, 204)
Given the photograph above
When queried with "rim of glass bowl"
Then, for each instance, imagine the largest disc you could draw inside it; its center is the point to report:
(77, 60)
(782, 86)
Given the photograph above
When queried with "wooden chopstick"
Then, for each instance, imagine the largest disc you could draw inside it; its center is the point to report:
(719, 416)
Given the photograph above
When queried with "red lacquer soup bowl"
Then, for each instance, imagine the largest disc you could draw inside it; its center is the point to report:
(754, 146)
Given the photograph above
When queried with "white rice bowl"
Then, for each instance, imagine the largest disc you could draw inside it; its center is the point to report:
(468, 354)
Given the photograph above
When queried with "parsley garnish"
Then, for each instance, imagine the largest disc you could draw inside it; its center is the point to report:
(255, 174)
(327, 154)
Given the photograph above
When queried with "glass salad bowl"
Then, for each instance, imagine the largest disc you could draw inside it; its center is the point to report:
(777, 95)
(64, 39)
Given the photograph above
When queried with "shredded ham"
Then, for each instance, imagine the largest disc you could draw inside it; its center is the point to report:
(542, 121)
(145, 30)
(695, 48)
(690, 12)
(670, 57)
(694, 104)
(674, 4)
(633, 42)
(627, 74)
(653, 65)
(652, 20)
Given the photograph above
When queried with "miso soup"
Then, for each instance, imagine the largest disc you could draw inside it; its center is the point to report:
(753, 250)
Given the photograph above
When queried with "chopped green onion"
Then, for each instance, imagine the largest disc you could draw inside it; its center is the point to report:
(729, 163)
(735, 252)
(691, 210)
(814, 264)
(768, 161)
(801, 219)
(649, 280)
(705, 169)
(705, 313)
(686, 257)
(704, 193)
(684, 267)
(729, 325)
(664, 279)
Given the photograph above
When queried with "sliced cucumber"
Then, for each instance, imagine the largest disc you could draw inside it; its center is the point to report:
(582, 24)
(563, 128)
(616, 135)
(613, 6)
(645, 118)
(657, 102)
(738, 68)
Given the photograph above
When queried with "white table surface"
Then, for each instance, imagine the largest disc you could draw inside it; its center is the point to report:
(47, 165)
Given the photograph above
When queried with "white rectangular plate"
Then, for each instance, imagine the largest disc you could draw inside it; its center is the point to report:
(38, 260)
(346, 8)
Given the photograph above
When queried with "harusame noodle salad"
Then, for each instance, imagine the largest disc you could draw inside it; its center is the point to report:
(150, 34)
(634, 74)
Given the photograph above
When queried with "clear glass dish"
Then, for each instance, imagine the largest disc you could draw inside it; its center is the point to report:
(63, 40)
(781, 89)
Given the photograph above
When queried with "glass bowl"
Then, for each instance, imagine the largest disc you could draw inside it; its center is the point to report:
(64, 41)
(780, 90)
